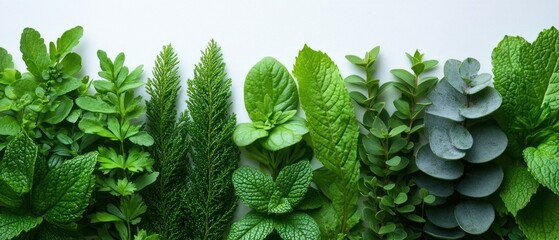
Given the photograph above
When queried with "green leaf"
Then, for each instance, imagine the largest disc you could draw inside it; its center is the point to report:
(61, 112)
(481, 181)
(9, 125)
(246, 133)
(253, 226)
(489, 143)
(482, 104)
(269, 78)
(5, 60)
(254, 188)
(437, 187)
(17, 168)
(517, 188)
(293, 181)
(432, 230)
(69, 40)
(442, 216)
(543, 163)
(34, 52)
(356, 80)
(540, 219)
(297, 226)
(142, 138)
(67, 86)
(404, 75)
(286, 134)
(447, 102)
(94, 127)
(95, 105)
(71, 64)
(13, 225)
(333, 128)
(355, 60)
(474, 216)
(437, 167)
(62, 196)
(104, 217)
(438, 132)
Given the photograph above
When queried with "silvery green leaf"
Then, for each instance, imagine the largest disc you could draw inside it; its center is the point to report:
(489, 142)
(479, 83)
(481, 181)
(460, 137)
(437, 187)
(442, 216)
(482, 104)
(452, 75)
(474, 216)
(437, 167)
(455, 233)
(440, 141)
(447, 102)
(469, 68)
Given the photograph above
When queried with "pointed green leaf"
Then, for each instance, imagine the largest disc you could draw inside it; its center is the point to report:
(517, 188)
(543, 163)
(246, 133)
(17, 168)
(9, 125)
(34, 52)
(13, 225)
(69, 40)
(253, 226)
(297, 226)
(293, 181)
(254, 188)
(94, 105)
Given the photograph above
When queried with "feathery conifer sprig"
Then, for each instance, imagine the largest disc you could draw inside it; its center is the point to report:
(211, 197)
(165, 197)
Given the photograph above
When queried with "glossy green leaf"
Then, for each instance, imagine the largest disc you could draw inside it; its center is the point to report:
(71, 64)
(489, 143)
(62, 196)
(474, 216)
(481, 181)
(283, 135)
(517, 188)
(34, 52)
(254, 188)
(9, 125)
(69, 40)
(17, 168)
(68, 85)
(437, 167)
(293, 181)
(246, 133)
(142, 138)
(543, 163)
(61, 112)
(297, 226)
(95, 105)
(13, 225)
(253, 226)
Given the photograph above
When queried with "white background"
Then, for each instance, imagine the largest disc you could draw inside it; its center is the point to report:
(248, 30)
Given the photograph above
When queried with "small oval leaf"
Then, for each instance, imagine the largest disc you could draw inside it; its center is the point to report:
(481, 181)
(437, 167)
(489, 142)
(442, 216)
(474, 217)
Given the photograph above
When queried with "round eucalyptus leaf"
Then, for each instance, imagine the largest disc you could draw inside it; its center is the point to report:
(469, 68)
(481, 181)
(442, 216)
(479, 83)
(437, 187)
(489, 142)
(447, 101)
(441, 144)
(432, 230)
(474, 216)
(460, 137)
(438, 201)
(452, 75)
(482, 104)
(437, 167)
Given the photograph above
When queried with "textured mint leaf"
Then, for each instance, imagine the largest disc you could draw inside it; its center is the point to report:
(246, 133)
(286, 134)
(62, 196)
(13, 225)
(332, 126)
(69, 40)
(293, 181)
(254, 188)
(18, 165)
(517, 188)
(543, 163)
(297, 226)
(5, 60)
(9, 125)
(253, 226)
(540, 219)
(269, 78)
(34, 52)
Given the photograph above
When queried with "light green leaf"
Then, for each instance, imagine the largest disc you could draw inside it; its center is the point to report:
(95, 105)
(9, 125)
(62, 196)
(297, 226)
(286, 134)
(5, 60)
(104, 217)
(68, 85)
(333, 128)
(17, 168)
(60, 112)
(13, 225)
(293, 181)
(269, 78)
(253, 226)
(71, 64)
(540, 219)
(246, 133)
(94, 127)
(34, 52)
(142, 138)
(254, 188)
(69, 40)
(517, 188)
(543, 163)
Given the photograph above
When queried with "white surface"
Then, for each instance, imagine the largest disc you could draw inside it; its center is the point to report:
(248, 30)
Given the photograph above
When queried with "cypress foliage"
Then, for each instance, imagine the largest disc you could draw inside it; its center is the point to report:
(165, 198)
(211, 199)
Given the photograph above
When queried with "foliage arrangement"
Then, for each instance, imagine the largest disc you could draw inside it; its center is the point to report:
(334, 133)
(394, 204)
(211, 200)
(274, 140)
(526, 74)
(124, 167)
(166, 197)
(458, 162)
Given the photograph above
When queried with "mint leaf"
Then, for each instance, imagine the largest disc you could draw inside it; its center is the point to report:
(254, 188)
(293, 181)
(18, 165)
(517, 188)
(540, 219)
(9, 125)
(543, 163)
(269, 78)
(297, 226)
(64, 193)
(286, 134)
(68, 40)
(13, 225)
(34, 52)
(246, 133)
(253, 226)
(5, 60)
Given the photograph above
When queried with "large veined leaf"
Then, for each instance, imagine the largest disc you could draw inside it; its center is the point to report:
(17, 168)
(5, 60)
(13, 225)
(540, 219)
(62, 196)
(297, 226)
(253, 226)
(68, 40)
(333, 128)
(34, 52)
(517, 188)
(269, 78)
(254, 188)
(543, 163)
(293, 182)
